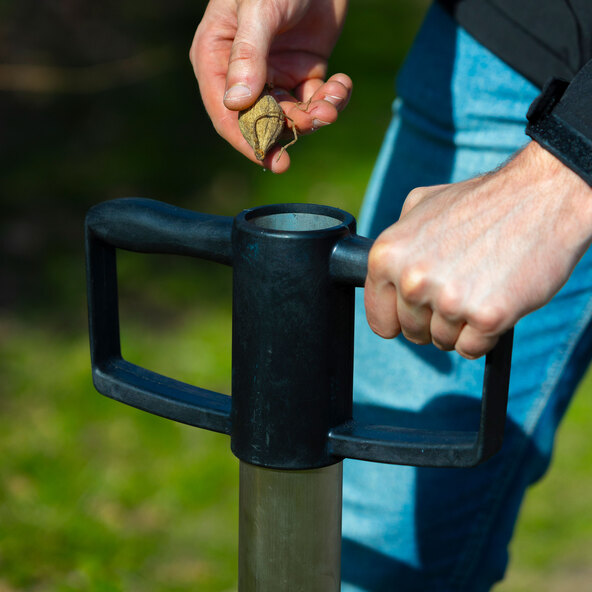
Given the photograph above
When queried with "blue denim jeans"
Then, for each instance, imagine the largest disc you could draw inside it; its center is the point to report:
(460, 112)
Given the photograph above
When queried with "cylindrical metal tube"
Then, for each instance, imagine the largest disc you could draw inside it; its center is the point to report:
(289, 529)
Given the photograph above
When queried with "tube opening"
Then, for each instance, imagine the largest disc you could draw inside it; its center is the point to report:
(295, 221)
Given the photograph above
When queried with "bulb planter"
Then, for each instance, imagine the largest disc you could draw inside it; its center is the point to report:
(290, 417)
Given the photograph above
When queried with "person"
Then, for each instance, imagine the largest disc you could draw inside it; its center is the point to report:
(478, 228)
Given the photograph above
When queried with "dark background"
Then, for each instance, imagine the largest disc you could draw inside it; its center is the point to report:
(98, 100)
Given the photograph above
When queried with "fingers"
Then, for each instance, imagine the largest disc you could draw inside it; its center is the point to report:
(325, 101)
(389, 314)
(314, 103)
(247, 63)
(249, 68)
(414, 321)
(414, 315)
(239, 46)
(472, 344)
(406, 300)
(381, 309)
(336, 91)
(444, 332)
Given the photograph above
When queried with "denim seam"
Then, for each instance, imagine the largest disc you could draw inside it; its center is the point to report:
(466, 566)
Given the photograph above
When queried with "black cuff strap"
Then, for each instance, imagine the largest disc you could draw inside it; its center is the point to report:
(560, 138)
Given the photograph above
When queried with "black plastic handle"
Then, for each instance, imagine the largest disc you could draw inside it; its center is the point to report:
(406, 446)
(154, 227)
(151, 227)
(429, 448)
(349, 261)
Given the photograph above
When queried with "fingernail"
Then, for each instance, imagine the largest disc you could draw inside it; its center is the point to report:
(333, 99)
(317, 123)
(237, 92)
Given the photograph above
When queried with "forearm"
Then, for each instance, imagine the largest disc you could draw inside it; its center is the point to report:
(466, 261)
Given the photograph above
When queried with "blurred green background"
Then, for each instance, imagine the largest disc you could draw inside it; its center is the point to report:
(97, 101)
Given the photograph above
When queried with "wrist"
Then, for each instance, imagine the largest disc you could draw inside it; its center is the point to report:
(544, 167)
(551, 180)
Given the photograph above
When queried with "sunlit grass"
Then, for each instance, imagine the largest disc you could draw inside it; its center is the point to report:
(98, 496)
(551, 549)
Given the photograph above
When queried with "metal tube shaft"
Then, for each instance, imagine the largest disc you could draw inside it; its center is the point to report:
(289, 529)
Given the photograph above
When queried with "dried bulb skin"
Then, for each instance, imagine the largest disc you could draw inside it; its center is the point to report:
(262, 124)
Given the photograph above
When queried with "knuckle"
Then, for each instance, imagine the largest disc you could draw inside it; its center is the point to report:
(416, 193)
(413, 283)
(242, 51)
(442, 344)
(381, 330)
(413, 197)
(449, 301)
(380, 311)
(417, 338)
(468, 355)
(488, 319)
(444, 334)
(380, 256)
(471, 350)
(194, 53)
(385, 334)
(197, 47)
(473, 344)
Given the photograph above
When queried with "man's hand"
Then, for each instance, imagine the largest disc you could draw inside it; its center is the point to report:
(240, 45)
(466, 261)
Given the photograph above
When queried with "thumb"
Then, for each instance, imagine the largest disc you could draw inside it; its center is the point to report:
(247, 65)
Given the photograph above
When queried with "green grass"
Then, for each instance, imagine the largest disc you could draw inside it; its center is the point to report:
(98, 496)
(551, 549)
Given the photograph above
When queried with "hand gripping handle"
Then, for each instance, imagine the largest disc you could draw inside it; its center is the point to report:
(399, 445)
(153, 227)
(150, 227)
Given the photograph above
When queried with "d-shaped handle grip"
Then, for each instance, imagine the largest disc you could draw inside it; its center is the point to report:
(153, 227)
(406, 446)
(150, 227)
(430, 448)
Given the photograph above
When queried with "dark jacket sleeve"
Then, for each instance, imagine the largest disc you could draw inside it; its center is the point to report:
(560, 120)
